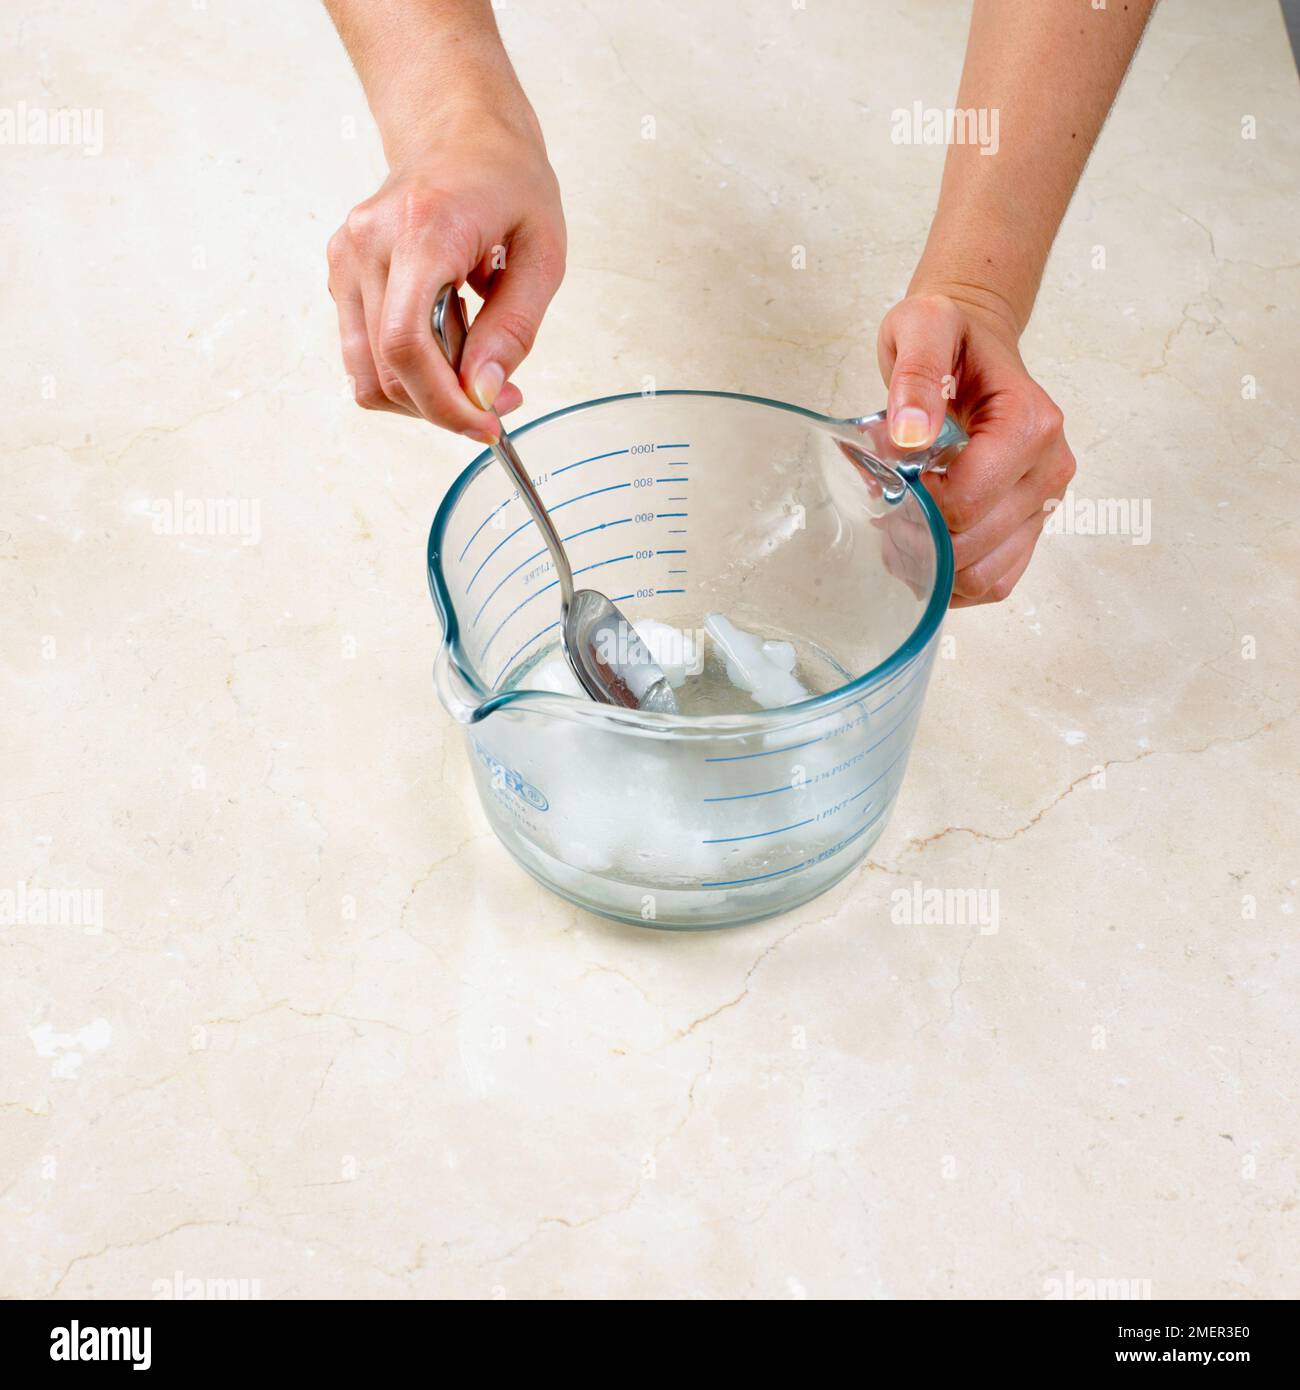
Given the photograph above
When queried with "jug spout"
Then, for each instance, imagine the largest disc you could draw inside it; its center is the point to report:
(456, 696)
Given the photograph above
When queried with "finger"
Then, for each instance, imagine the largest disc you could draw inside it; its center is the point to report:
(506, 327)
(978, 479)
(373, 282)
(358, 360)
(1013, 434)
(406, 345)
(354, 336)
(1044, 484)
(1026, 499)
(919, 347)
(994, 577)
(908, 554)
(907, 548)
(511, 398)
(902, 565)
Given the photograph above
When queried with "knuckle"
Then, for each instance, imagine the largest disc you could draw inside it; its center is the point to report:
(999, 589)
(455, 235)
(549, 260)
(369, 396)
(360, 225)
(336, 251)
(519, 327)
(960, 511)
(933, 316)
(1062, 471)
(915, 373)
(976, 583)
(1045, 421)
(390, 384)
(935, 308)
(399, 344)
(418, 208)
(961, 556)
(964, 586)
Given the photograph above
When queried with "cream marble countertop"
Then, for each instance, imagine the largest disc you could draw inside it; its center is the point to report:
(326, 1037)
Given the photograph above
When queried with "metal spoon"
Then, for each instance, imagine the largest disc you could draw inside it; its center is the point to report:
(612, 663)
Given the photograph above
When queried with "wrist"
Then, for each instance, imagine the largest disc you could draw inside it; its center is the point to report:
(981, 301)
(463, 121)
(983, 266)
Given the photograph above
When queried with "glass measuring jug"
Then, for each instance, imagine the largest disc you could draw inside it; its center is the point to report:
(798, 528)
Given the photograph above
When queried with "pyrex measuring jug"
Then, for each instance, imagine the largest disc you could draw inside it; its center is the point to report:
(797, 527)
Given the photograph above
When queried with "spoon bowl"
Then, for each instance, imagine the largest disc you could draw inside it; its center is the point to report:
(609, 658)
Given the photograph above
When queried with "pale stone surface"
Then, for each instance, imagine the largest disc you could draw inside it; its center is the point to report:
(467, 1087)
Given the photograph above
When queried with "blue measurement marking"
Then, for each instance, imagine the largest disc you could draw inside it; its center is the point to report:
(668, 591)
(595, 458)
(676, 478)
(875, 780)
(537, 555)
(483, 523)
(514, 496)
(808, 743)
(762, 834)
(494, 550)
(749, 796)
(613, 560)
(621, 598)
(661, 515)
(678, 571)
(897, 692)
(794, 787)
(775, 791)
(582, 496)
(911, 709)
(794, 868)
(767, 752)
(511, 660)
(680, 531)
(595, 492)
(670, 552)
(919, 672)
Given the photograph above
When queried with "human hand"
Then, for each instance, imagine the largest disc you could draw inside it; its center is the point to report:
(939, 352)
(478, 203)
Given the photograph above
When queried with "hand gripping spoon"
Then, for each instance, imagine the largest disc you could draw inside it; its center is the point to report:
(612, 663)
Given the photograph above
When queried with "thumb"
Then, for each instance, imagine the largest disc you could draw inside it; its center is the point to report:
(503, 333)
(922, 336)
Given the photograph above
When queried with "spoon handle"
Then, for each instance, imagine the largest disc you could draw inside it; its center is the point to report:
(450, 330)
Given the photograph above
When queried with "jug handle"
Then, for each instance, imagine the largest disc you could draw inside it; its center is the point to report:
(867, 440)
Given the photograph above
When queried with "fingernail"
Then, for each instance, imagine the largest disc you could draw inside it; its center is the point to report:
(488, 381)
(910, 427)
(479, 436)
